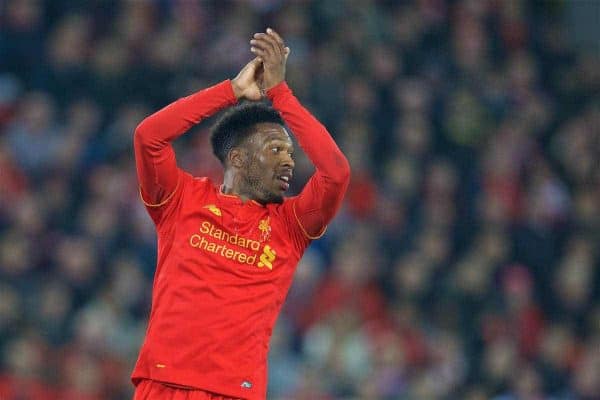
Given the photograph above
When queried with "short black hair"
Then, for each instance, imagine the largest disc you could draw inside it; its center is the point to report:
(236, 124)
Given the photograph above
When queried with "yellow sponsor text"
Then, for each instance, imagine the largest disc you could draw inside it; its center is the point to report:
(208, 232)
(200, 242)
(212, 231)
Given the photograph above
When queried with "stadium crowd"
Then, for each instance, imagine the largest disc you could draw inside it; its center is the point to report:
(464, 264)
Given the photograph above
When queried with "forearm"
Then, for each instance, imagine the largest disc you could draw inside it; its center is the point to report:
(155, 158)
(165, 125)
(323, 194)
(312, 136)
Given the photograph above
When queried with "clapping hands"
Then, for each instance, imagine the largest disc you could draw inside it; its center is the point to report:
(266, 70)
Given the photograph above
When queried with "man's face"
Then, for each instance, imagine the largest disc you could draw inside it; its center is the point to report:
(269, 166)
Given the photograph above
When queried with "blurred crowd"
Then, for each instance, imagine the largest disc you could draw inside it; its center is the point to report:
(463, 265)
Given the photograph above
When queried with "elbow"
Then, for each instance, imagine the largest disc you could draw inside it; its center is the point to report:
(343, 175)
(140, 133)
(142, 136)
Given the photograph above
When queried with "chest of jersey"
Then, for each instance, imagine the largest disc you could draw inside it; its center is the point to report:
(233, 241)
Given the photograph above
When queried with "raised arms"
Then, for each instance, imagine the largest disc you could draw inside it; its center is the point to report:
(156, 165)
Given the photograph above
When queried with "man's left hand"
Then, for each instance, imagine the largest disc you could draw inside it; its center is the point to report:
(270, 48)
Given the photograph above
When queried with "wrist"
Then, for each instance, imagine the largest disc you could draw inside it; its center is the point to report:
(281, 87)
(270, 86)
(237, 90)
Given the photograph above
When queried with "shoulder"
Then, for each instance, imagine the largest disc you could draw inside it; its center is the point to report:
(201, 184)
(283, 207)
(201, 181)
(286, 214)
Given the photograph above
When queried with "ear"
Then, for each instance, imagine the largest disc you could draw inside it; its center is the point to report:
(237, 157)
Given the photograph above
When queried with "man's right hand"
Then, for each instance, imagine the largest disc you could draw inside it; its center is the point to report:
(270, 48)
(245, 84)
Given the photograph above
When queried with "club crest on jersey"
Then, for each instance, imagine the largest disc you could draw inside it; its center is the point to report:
(265, 228)
(213, 209)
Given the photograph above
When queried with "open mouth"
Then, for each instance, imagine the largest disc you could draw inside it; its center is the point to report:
(284, 180)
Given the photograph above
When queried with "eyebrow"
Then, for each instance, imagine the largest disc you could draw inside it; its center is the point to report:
(274, 138)
(269, 141)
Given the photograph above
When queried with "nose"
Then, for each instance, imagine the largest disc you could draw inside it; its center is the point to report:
(288, 161)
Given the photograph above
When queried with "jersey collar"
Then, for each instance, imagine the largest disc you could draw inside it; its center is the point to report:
(234, 198)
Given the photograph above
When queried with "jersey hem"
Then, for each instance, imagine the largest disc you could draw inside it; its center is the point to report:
(183, 378)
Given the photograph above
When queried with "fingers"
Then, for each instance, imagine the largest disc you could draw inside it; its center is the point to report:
(276, 36)
(269, 46)
(265, 46)
(285, 51)
(260, 50)
(255, 62)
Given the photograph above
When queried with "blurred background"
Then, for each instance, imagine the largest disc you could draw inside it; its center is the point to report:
(463, 265)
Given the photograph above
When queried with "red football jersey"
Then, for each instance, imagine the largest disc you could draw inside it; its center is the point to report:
(224, 267)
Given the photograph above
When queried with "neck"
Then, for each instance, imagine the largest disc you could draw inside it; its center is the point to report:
(234, 185)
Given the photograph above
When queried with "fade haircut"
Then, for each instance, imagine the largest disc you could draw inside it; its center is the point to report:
(236, 124)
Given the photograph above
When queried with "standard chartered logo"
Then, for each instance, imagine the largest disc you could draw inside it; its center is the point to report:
(267, 257)
(249, 255)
